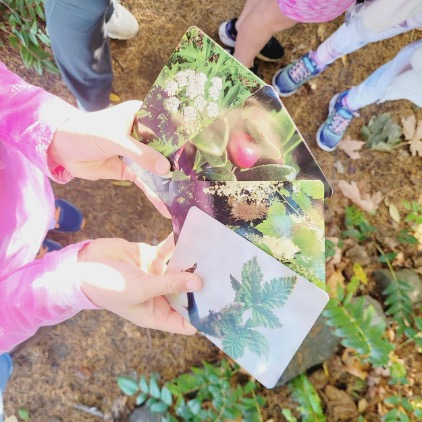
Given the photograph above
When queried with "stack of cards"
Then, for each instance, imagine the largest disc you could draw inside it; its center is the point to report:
(246, 196)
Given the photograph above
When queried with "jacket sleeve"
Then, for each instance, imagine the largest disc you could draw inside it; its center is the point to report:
(44, 292)
(29, 117)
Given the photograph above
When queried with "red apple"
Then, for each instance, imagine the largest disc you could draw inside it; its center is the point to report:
(242, 149)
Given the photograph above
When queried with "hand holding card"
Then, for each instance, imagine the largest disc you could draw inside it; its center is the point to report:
(254, 308)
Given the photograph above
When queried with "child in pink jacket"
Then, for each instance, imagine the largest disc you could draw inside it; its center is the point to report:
(43, 137)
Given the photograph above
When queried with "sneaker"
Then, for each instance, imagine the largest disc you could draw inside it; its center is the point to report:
(273, 51)
(122, 25)
(289, 79)
(333, 129)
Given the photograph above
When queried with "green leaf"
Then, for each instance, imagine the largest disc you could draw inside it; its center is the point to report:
(158, 407)
(166, 396)
(278, 223)
(382, 133)
(143, 384)
(304, 393)
(154, 389)
(129, 386)
(252, 276)
(287, 413)
(276, 292)
(235, 284)
(354, 325)
(23, 414)
(141, 398)
(399, 304)
(264, 317)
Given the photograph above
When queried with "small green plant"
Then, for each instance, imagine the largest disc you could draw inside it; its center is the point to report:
(404, 410)
(357, 226)
(23, 23)
(413, 219)
(354, 324)
(205, 394)
(304, 393)
(382, 133)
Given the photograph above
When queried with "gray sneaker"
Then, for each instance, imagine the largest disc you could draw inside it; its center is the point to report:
(122, 25)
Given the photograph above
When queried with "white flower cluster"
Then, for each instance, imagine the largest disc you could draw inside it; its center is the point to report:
(192, 85)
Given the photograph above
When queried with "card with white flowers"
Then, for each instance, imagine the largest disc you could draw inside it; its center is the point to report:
(216, 120)
(284, 219)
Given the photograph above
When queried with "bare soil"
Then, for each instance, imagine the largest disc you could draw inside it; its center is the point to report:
(78, 361)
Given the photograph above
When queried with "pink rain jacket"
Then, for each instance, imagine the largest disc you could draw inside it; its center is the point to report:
(33, 292)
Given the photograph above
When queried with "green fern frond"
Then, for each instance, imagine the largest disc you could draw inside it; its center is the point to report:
(304, 393)
(399, 305)
(354, 325)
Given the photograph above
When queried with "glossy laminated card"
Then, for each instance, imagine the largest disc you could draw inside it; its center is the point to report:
(215, 120)
(284, 219)
(257, 310)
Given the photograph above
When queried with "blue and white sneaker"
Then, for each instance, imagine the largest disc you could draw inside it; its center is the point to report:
(331, 132)
(289, 79)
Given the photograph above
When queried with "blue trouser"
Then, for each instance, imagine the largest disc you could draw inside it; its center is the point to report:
(81, 48)
(6, 369)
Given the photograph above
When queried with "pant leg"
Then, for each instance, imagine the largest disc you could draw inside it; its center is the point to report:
(6, 369)
(353, 35)
(81, 48)
(375, 86)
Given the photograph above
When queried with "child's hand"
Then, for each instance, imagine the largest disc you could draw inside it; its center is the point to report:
(89, 145)
(127, 278)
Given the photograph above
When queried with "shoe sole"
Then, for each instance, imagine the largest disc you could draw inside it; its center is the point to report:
(276, 89)
(223, 36)
(267, 59)
(319, 143)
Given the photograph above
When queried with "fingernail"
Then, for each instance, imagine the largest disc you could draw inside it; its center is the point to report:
(192, 285)
(162, 167)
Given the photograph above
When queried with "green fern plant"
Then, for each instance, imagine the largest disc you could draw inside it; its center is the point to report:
(305, 394)
(23, 24)
(354, 324)
(357, 226)
(204, 394)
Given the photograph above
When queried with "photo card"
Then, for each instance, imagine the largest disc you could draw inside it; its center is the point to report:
(284, 219)
(254, 308)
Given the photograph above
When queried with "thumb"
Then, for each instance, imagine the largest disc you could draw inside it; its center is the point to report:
(141, 154)
(170, 283)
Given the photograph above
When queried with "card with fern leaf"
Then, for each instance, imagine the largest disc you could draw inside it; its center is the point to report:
(253, 307)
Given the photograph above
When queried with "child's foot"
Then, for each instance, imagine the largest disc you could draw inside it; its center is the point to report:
(122, 25)
(333, 129)
(68, 217)
(6, 369)
(289, 79)
(273, 51)
(47, 246)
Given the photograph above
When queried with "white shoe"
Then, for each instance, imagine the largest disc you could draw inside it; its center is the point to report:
(122, 25)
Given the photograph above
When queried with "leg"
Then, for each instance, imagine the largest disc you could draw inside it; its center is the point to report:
(354, 34)
(375, 86)
(259, 20)
(81, 48)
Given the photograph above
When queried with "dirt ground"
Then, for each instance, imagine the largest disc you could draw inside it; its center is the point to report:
(78, 361)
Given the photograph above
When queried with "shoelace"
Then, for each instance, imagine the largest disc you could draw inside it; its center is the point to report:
(339, 123)
(299, 71)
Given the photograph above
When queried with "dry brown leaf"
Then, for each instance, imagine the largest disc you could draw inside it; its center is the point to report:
(353, 365)
(336, 279)
(351, 147)
(363, 200)
(412, 131)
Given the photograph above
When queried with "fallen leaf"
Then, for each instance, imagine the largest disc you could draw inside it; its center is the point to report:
(394, 213)
(363, 200)
(336, 279)
(412, 131)
(339, 167)
(350, 147)
(353, 365)
(336, 258)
